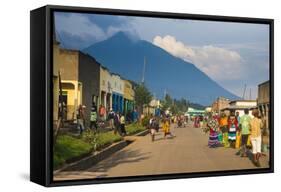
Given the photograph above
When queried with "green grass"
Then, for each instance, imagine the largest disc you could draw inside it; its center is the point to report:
(68, 147)
(134, 128)
(105, 139)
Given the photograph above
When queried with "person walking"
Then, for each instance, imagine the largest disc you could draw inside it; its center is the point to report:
(255, 135)
(110, 118)
(116, 120)
(232, 128)
(94, 117)
(223, 122)
(166, 128)
(135, 115)
(152, 127)
(122, 125)
(179, 121)
(245, 131)
(102, 112)
(81, 118)
(237, 115)
(213, 126)
(201, 119)
(196, 122)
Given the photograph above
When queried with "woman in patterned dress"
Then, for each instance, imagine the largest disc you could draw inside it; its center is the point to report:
(213, 126)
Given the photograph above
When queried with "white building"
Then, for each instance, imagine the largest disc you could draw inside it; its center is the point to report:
(241, 105)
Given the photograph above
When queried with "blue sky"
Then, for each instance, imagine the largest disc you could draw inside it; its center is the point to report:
(233, 54)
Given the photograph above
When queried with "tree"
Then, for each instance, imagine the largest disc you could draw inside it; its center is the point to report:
(167, 102)
(174, 109)
(142, 96)
(183, 105)
(175, 106)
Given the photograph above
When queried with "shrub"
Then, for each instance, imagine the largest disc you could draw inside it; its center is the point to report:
(134, 128)
(145, 121)
(107, 138)
(68, 148)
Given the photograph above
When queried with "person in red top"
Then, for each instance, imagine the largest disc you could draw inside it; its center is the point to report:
(232, 129)
(102, 111)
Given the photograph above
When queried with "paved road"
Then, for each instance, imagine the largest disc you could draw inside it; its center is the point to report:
(187, 152)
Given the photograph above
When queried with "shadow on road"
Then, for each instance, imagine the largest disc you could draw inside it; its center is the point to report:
(125, 156)
(121, 157)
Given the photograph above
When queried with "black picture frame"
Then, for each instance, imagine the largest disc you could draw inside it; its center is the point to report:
(41, 32)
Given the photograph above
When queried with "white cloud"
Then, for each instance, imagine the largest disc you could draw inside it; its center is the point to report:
(79, 25)
(218, 63)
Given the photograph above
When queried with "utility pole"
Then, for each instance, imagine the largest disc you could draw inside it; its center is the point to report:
(244, 91)
(143, 72)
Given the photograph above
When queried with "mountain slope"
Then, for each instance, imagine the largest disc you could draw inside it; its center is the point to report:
(163, 71)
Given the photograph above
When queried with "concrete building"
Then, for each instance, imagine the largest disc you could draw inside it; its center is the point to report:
(80, 81)
(89, 78)
(219, 104)
(117, 93)
(240, 106)
(129, 96)
(105, 88)
(55, 82)
(153, 107)
(263, 101)
(66, 62)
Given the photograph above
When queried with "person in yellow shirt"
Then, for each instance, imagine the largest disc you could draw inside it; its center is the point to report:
(255, 129)
(122, 125)
(166, 128)
(223, 121)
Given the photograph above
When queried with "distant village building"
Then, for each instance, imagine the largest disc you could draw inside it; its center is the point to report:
(106, 88)
(89, 78)
(129, 96)
(153, 108)
(83, 82)
(240, 106)
(117, 93)
(219, 104)
(194, 112)
(264, 101)
(208, 109)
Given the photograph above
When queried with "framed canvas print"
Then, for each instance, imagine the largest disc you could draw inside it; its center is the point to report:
(122, 95)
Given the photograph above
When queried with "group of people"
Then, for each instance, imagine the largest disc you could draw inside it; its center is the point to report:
(155, 123)
(181, 120)
(237, 132)
(198, 121)
(116, 120)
